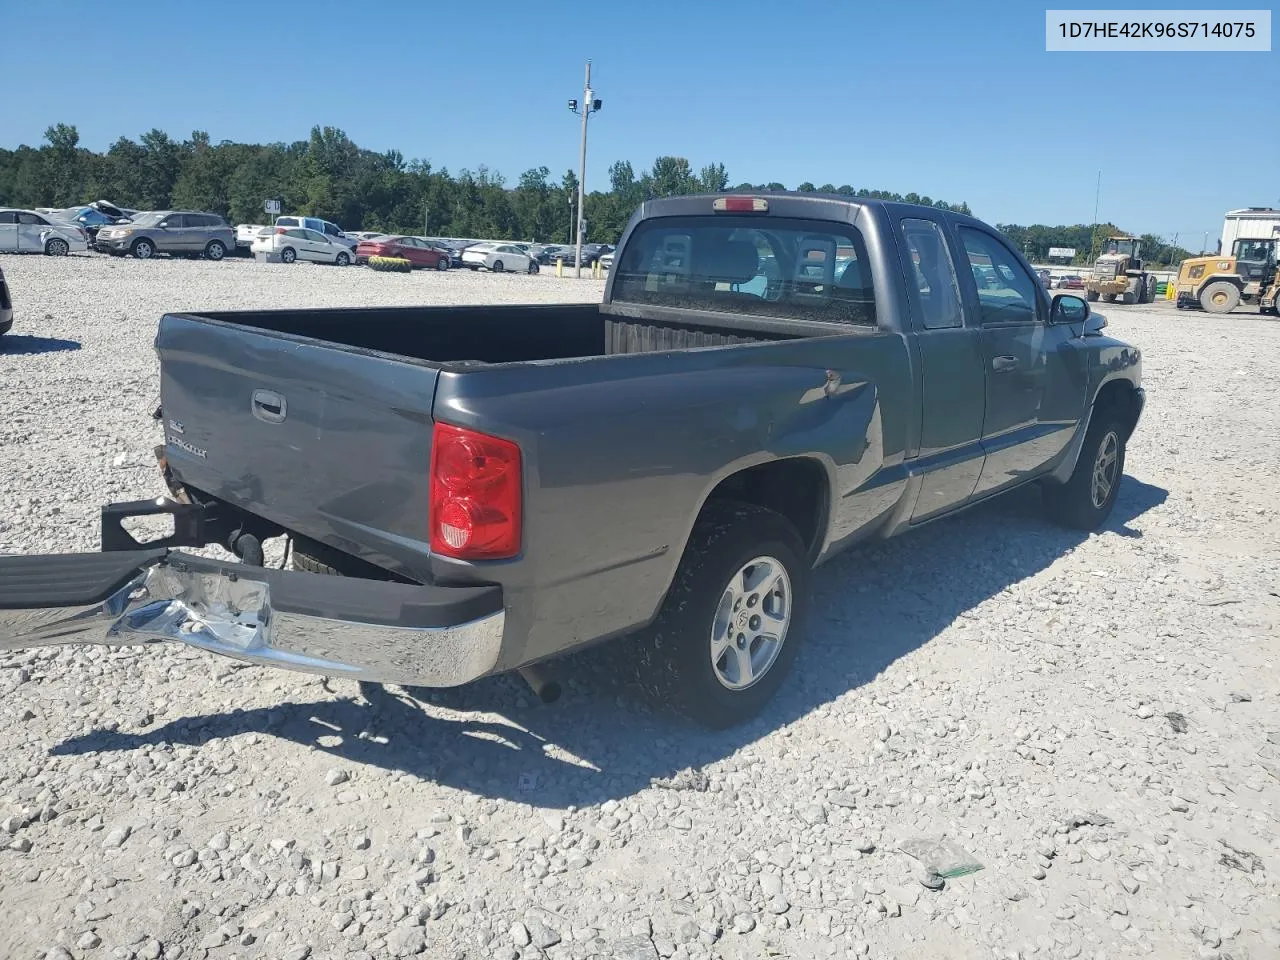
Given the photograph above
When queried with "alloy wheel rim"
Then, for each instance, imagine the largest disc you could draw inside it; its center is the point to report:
(1104, 468)
(751, 622)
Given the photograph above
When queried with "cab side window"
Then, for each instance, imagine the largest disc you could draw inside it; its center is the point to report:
(1006, 292)
(934, 274)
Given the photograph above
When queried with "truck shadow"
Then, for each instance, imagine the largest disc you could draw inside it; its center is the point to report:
(601, 740)
(22, 343)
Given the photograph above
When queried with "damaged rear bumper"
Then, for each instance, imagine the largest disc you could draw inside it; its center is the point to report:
(333, 626)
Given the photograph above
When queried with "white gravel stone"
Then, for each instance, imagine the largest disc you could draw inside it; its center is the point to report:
(983, 680)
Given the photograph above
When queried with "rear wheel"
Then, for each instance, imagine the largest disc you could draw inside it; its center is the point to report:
(732, 621)
(215, 250)
(1108, 298)
(1130, 297)
(343, 259)
(533, 265)
(442, 263)
(497, 266)
(1091, 296)
(1149, 289)
(1220, 297)
(143, 249)
(57, 247)
(288, 255)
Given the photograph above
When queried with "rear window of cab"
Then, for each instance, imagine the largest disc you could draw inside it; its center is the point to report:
(784, 268)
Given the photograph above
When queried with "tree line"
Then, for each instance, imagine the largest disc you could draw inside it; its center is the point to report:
(331, 177)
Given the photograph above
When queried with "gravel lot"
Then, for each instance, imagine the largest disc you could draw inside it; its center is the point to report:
(1094, 719)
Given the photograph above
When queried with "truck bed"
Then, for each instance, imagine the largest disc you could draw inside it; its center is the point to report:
(502, 334)
(320, 421)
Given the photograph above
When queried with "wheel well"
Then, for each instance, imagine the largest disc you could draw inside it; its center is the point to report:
(795, 488)
(1119, 395)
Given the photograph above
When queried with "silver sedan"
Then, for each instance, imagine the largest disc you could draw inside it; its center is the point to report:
(25, 231)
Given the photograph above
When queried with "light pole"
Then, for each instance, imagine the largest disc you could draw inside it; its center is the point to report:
(589, 106)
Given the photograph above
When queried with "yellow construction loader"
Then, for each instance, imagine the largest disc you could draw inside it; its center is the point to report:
(1269, 301)
(1119, 273)
(1220, 284)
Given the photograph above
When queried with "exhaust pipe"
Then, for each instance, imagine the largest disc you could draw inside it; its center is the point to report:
(541, 682)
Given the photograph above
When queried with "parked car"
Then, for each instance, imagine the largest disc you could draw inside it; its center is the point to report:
(6, 306)
(418, 252)
(359, 236)
(91, 220)
(606, 262)
(25, 231)
(1045, 278)
(496, 487)
(548, 255)
(1071, 282)
(498, 257)
(299, 243)
(331, 230)
(179, 233)
(246, 233)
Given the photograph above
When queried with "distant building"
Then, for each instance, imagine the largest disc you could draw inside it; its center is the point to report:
(1249, 223)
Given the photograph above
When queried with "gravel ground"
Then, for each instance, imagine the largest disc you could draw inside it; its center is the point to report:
(1092, 719)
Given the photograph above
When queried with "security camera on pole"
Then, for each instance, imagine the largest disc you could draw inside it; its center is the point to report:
(589, 106)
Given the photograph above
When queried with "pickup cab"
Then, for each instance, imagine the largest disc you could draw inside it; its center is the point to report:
(470, 490)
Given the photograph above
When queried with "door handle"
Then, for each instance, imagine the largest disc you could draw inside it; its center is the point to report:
(1004, 364)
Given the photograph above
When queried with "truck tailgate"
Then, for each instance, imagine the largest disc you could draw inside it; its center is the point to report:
(328, 441)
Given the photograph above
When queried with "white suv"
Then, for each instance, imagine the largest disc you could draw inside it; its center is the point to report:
(330, 230)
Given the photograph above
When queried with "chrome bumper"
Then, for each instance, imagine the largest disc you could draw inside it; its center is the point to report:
(333, 626)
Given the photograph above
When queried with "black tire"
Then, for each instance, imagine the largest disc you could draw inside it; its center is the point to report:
(343, 259)
(442, 264)
(673, 656)
(1149, 290)
(215, 250)
(311, 556)
(288, 255)
(1129, 298)
(57, 247)
(305, 562)
(1074, 504)
(533, 266)
(143, 249)
(1091, 296)
(1108, 298)
(1220, 297)
(497, 266)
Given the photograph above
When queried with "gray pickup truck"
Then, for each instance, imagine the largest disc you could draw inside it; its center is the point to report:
(769, 379)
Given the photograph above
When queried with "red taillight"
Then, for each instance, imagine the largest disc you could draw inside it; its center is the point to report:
(740, 205)
(475, 495)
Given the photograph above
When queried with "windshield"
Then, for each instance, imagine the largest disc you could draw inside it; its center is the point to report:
(1258, 250)
(1122, 247)
(795, 269)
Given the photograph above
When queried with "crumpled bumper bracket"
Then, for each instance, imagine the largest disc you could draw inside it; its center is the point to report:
(334, 626)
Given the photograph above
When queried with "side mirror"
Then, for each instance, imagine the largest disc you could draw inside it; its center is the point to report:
(1068, 309)
(163, 224)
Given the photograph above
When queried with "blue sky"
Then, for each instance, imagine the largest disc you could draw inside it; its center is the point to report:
(958, 101)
